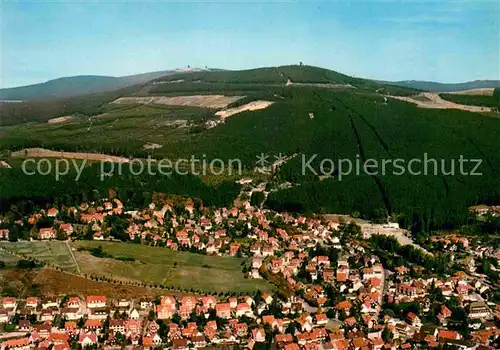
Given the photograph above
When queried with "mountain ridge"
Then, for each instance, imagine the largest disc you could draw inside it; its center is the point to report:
(76, 85)
(88, 84)
(432, 86)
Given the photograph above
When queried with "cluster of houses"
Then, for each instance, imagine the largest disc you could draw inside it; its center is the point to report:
(483, 210)
(85, 215)
(332, 290)
(198, 321)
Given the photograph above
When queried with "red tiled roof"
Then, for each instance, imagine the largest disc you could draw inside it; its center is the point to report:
(16, 342)
(96, 299)
(343, 305)
(447, 334)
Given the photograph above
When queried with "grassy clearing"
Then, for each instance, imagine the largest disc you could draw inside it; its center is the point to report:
(182, 270)
(51, 252)
(9, 259)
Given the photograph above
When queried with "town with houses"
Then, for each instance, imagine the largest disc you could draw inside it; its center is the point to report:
(336, 284)
(249, 175)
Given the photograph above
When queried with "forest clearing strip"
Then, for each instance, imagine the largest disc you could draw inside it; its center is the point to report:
(432, 100)
(47, 153)
(205, 101)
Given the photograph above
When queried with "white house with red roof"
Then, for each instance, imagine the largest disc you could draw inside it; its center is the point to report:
(66, 228)
(18, 344)
(96, 301)
(209, 301)
(259, 335)
(9, 303)
(223, 310)
(32, 302)
(4, 233)
(87, 339)
(73, 302)
(243, 309)
(47, 233)
(52, 212)
(167, 307)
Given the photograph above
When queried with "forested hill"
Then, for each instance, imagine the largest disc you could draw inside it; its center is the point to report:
(323, 113)
(271, 75)
(74, 86)
(242, 82)
(90, 84)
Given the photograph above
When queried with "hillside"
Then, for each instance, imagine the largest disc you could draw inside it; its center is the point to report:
(270, 75)
(331, 115)
(476, 100)
(90, 84)
(45, 109)
(77, 85)
(444, 87)
(246, 82)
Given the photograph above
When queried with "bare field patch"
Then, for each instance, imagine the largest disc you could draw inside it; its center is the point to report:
(59, 120)
(47, 153)
(321, 85)
(203, 101)
(151, 145)
(252, 106)
(434, 101)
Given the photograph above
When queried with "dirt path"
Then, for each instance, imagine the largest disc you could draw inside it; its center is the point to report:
(432, 100)
(74, 259)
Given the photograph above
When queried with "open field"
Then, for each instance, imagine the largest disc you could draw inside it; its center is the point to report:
(7, 258)
(203, 101)
(51, 252)
(158, 266)
(47, 281)
(181, 270)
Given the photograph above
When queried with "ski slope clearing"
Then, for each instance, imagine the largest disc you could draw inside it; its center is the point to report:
(59, 120)
(434, 101)
(252, 106)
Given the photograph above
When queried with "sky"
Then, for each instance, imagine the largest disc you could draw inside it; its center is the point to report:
(445, 41)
